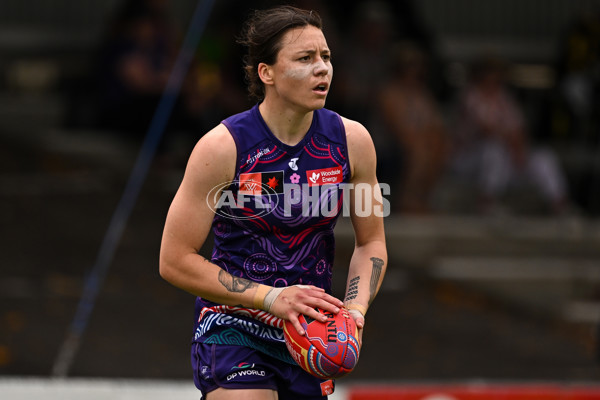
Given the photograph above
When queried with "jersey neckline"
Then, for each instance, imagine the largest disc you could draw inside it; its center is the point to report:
(286, 147)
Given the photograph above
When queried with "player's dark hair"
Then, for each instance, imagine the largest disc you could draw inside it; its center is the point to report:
(262, 35)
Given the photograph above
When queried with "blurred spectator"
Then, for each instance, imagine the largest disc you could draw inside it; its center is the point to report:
(412, 116)
(574, 108)
(215, 86)
(491, 144)
(134, 65)
(579, 77)
(363, 55)
(363, 58)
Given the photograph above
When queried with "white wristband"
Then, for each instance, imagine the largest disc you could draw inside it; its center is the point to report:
(271, 297)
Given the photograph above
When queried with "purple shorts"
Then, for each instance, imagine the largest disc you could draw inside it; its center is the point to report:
(240, 367)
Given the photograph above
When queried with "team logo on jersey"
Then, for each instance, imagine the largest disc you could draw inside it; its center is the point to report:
(293, 165)
(261, 183)
(324, 176)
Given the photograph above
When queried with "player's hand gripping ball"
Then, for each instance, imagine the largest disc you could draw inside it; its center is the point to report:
(328, 349)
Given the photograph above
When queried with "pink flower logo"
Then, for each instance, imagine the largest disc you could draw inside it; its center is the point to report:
(295, 178)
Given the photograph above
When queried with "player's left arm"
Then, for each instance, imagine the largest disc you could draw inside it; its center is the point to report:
(367, 208)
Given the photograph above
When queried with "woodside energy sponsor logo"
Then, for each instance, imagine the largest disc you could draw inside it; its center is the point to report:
(324, 176)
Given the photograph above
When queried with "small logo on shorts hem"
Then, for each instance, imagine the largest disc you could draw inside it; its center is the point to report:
(327, 388)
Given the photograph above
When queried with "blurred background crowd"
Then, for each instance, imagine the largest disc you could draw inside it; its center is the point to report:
(489, 113)
(480, 111)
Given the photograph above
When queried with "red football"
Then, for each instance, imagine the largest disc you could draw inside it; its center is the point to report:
(329, 349)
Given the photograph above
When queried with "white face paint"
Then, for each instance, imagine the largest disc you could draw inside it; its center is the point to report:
(300, 73)
(305, 71)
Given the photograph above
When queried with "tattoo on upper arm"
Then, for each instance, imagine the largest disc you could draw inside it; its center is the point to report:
(234, 283)
(375, 275)
(352, 289)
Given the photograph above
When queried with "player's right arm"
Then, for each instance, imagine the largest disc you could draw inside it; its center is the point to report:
(188, 223)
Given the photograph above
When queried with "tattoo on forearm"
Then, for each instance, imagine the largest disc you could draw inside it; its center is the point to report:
(375, 274)
(233, 283)
(352, 289)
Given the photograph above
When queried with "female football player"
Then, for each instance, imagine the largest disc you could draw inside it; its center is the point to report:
(270, 183)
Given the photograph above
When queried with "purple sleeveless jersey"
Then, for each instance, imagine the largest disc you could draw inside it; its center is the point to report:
(275, 223)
